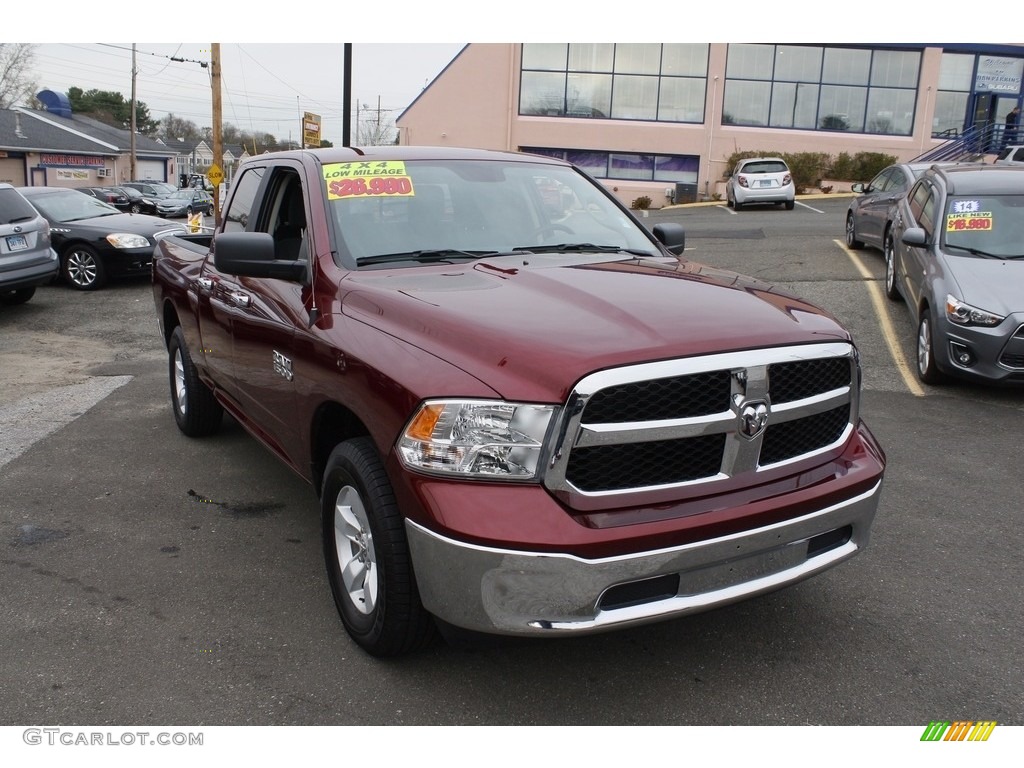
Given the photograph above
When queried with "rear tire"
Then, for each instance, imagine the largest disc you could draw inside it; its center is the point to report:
(790, 205)
(366, 552)
(196, 410)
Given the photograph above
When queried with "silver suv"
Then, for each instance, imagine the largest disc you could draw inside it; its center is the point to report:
(27, 258)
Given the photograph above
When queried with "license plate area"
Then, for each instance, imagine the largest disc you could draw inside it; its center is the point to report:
(16, 243)
(765, 183)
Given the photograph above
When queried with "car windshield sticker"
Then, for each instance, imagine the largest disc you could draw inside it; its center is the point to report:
(367, 179)
(979, 221)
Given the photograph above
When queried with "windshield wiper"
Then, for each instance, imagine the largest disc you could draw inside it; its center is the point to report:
(583, 248)
(978, 252)
(426, 256)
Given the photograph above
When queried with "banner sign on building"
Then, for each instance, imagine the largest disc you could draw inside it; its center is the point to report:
(71, 160)
(1000, 74)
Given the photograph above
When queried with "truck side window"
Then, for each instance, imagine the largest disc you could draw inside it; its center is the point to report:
(245, 188)
(288, 225)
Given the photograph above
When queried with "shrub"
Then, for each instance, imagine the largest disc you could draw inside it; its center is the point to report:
(641, 203)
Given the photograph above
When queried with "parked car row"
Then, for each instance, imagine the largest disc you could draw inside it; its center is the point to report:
(952, 236)
(94, 240)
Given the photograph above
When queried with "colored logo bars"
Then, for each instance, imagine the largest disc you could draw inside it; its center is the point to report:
(961, 730)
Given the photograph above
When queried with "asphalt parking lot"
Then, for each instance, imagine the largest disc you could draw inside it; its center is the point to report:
(149, 578)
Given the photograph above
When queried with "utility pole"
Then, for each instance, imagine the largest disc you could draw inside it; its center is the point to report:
(346, 120)
(218, 146)
(133, 176)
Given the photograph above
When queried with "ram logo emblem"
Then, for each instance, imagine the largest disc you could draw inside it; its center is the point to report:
(753, 418)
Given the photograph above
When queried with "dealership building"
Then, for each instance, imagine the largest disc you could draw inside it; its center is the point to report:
(662, 119)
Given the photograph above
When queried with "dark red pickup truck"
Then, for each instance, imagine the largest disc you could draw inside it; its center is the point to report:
(524, 414)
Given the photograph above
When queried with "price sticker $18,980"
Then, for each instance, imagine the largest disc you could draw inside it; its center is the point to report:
(978, 221)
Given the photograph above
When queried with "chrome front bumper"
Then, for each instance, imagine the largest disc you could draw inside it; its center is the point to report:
(510, 592)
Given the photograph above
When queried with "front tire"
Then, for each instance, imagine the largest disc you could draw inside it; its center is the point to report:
(891, 288)
(366, 552)
(196, 411)
(82, 269)
(927, 371)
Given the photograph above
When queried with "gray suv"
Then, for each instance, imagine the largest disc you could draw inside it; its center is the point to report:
(956, 257)
(27, 258)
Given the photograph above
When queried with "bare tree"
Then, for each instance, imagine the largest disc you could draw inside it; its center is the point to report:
(374, 126)
(174, 127)
(16, 83)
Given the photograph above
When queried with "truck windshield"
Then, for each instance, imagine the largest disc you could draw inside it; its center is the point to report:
(384, 209)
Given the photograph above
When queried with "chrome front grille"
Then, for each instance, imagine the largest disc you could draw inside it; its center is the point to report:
(728, 418)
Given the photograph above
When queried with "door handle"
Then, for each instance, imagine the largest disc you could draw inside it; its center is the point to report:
(205, 283)
(240, 299)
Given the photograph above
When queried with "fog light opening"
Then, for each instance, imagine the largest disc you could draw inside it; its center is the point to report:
(961, 354)
(640, 592)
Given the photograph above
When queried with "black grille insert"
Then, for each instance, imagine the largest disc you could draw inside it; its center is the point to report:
(805, 378)
(679, 397)
(795, 438)
(636, 465)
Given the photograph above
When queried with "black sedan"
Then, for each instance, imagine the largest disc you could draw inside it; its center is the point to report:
(138, 202)
(185, 202)
(108, 195)
(94, 240)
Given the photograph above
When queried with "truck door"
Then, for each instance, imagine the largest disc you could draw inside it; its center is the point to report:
(265, 317)
(218, 294)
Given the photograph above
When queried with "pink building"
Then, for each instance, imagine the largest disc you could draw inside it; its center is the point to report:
(662, 119)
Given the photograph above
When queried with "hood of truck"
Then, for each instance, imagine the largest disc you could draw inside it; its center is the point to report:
(531, 326)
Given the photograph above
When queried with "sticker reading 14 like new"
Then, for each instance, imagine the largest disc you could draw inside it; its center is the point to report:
(367, 179)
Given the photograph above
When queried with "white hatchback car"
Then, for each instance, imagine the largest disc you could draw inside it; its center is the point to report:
(1011, 155)
(760, 180)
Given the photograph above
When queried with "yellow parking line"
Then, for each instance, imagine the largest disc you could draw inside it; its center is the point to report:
(885, 321)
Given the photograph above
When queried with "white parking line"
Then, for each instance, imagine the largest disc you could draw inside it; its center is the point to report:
(809, 207)
(25, 422)
(885, 322)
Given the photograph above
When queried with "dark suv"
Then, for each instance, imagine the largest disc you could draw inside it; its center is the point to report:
(27, 259)
(956, 256)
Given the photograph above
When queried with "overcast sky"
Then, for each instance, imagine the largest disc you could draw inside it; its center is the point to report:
(264, 87)
(399, 46)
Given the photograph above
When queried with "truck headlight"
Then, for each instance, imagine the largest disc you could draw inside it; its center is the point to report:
(964, 314)
(126, 240)
(489, 439)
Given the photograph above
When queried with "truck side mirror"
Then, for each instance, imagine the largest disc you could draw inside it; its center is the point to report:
(252, 254)
(672, 236)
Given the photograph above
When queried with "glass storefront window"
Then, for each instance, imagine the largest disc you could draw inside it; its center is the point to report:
(635, 98)
(638, 58)
(684, 59)
(746, 103)
(591, 57)
(549, 56)
(588, 95)
(682, 100)
(542, 93)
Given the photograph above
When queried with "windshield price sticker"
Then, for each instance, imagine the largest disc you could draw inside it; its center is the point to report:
(367, 179)
(962, 222)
